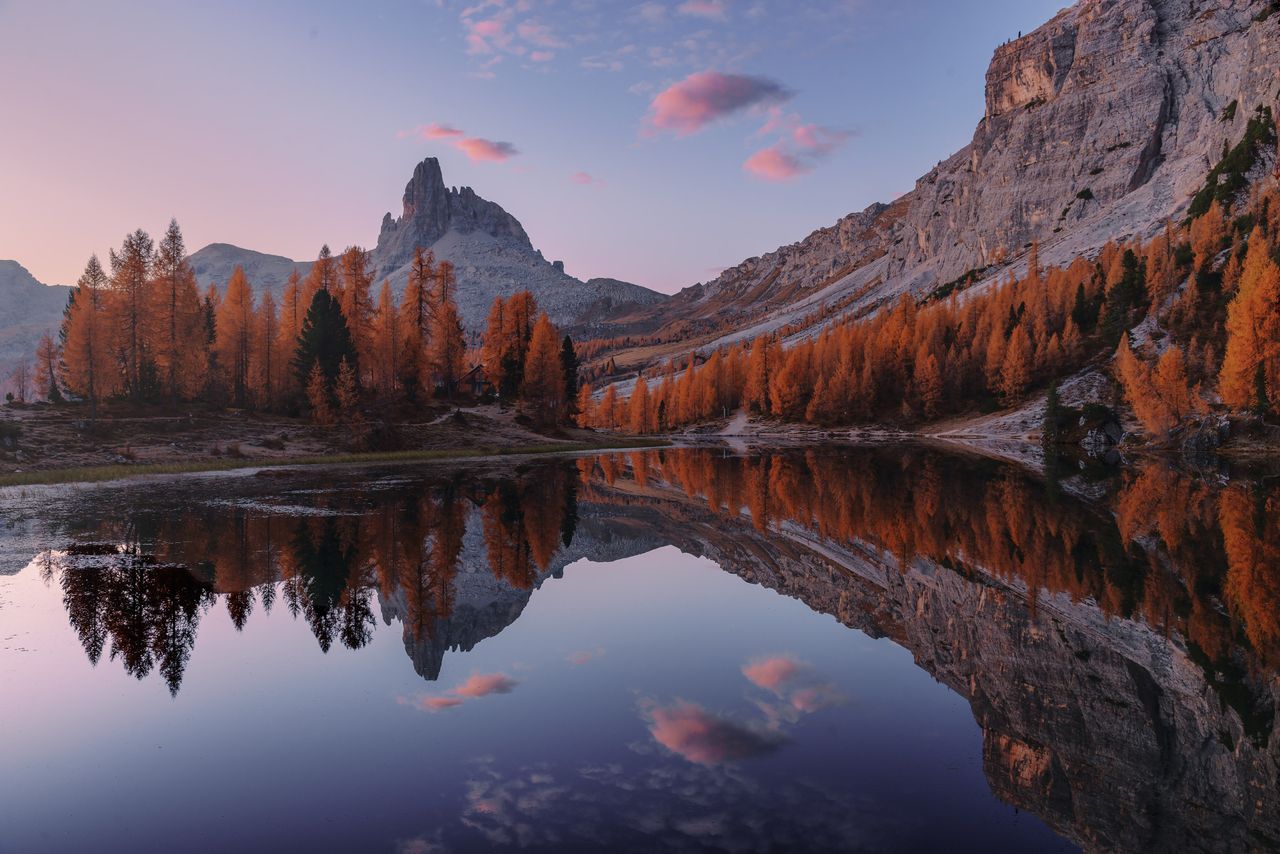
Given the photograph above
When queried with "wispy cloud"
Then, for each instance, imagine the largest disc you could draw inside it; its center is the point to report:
(486, 149)
(775, 163)
(716, 10)
(586, 179)
(800, 146)
(700, 99)
(474, 147)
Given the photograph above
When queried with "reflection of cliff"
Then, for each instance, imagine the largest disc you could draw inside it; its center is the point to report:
(1115, 733)
(484, 604)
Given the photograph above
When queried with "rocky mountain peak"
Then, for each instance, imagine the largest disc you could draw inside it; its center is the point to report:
(430, 210)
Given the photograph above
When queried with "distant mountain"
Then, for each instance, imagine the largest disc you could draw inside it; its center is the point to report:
(489, 248)
(213, 265)
(1098, 126)
(27, 310)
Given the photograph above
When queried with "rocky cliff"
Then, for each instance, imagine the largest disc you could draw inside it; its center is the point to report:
(1098, 126)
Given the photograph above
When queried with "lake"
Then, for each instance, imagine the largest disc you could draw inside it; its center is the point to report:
(822, 649)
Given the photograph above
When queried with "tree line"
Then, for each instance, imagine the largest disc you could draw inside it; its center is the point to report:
(143, 332)
(1211, 288)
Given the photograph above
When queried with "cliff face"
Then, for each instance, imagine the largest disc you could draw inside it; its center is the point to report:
(1098, 126)
(492, 256)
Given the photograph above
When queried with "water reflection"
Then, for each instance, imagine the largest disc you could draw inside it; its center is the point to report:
(1118, 643)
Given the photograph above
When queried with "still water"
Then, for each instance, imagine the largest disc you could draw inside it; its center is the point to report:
(839, 650)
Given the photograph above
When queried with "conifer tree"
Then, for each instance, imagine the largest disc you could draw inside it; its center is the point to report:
(87, 369)
(542, 389)
(178, 321)
(47, 360)
(131, 300)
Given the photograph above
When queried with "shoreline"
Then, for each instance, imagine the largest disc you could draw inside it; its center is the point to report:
(222, 466)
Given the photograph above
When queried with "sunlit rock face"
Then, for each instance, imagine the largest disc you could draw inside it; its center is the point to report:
(1099, 125)
(491, 254)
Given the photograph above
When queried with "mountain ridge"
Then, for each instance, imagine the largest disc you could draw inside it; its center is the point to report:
(1098, 126)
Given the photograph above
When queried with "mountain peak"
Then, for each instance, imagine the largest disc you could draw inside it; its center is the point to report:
(430, 210)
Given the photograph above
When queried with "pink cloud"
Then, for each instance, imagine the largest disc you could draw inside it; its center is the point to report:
(484, 684)
(437, 704)
(713, 9)
(542, 55)
(583, 656)
(773, 672)
(539, 35)
(586, 179)
(691, 732)
(776, 164)
(486, 150)
(487, 35)
(439, 131)
(818, 140)
(700, 99)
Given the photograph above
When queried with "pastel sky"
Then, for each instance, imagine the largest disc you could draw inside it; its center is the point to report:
(656, 141)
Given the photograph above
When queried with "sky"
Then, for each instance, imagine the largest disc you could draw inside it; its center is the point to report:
(655, 141)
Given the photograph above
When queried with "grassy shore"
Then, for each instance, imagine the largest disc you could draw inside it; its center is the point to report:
(95, 474)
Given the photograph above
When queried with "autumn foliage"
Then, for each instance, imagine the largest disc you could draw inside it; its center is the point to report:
(326, 346)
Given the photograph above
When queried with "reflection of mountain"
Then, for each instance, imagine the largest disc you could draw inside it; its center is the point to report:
(1119, 659)
(1109, 729)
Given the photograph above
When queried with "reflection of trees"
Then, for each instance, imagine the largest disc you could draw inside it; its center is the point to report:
(404, 544)
(148, 611)
(1156, 553)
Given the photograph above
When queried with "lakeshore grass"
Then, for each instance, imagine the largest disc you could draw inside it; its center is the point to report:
(97, 474)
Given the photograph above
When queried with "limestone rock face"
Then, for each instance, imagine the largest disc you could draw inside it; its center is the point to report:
(1099, 125)
(489, 248)
(431, 210)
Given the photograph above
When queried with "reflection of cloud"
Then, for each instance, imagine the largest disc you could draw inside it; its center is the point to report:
(698, 100)
(793, 681)
(477, 685)
(484, 684)
(770, 673)
(436, 704)
(692, 732)
(585, 655)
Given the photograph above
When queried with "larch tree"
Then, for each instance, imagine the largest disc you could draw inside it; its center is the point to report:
(585, 408)
(542, 390)
(640, 409)
(292, 311)
(356, 300)
(87, 351)
(130, 299)
(177, 318)
(1015, 373)
(448, 345)
(1250, 376)
(607, 414)
(387, 340)
(323, 276)
(235, 334)
(415, 322)
(268, 366)
(47, 359)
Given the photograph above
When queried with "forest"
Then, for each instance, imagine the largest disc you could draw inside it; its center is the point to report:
(144, 334)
